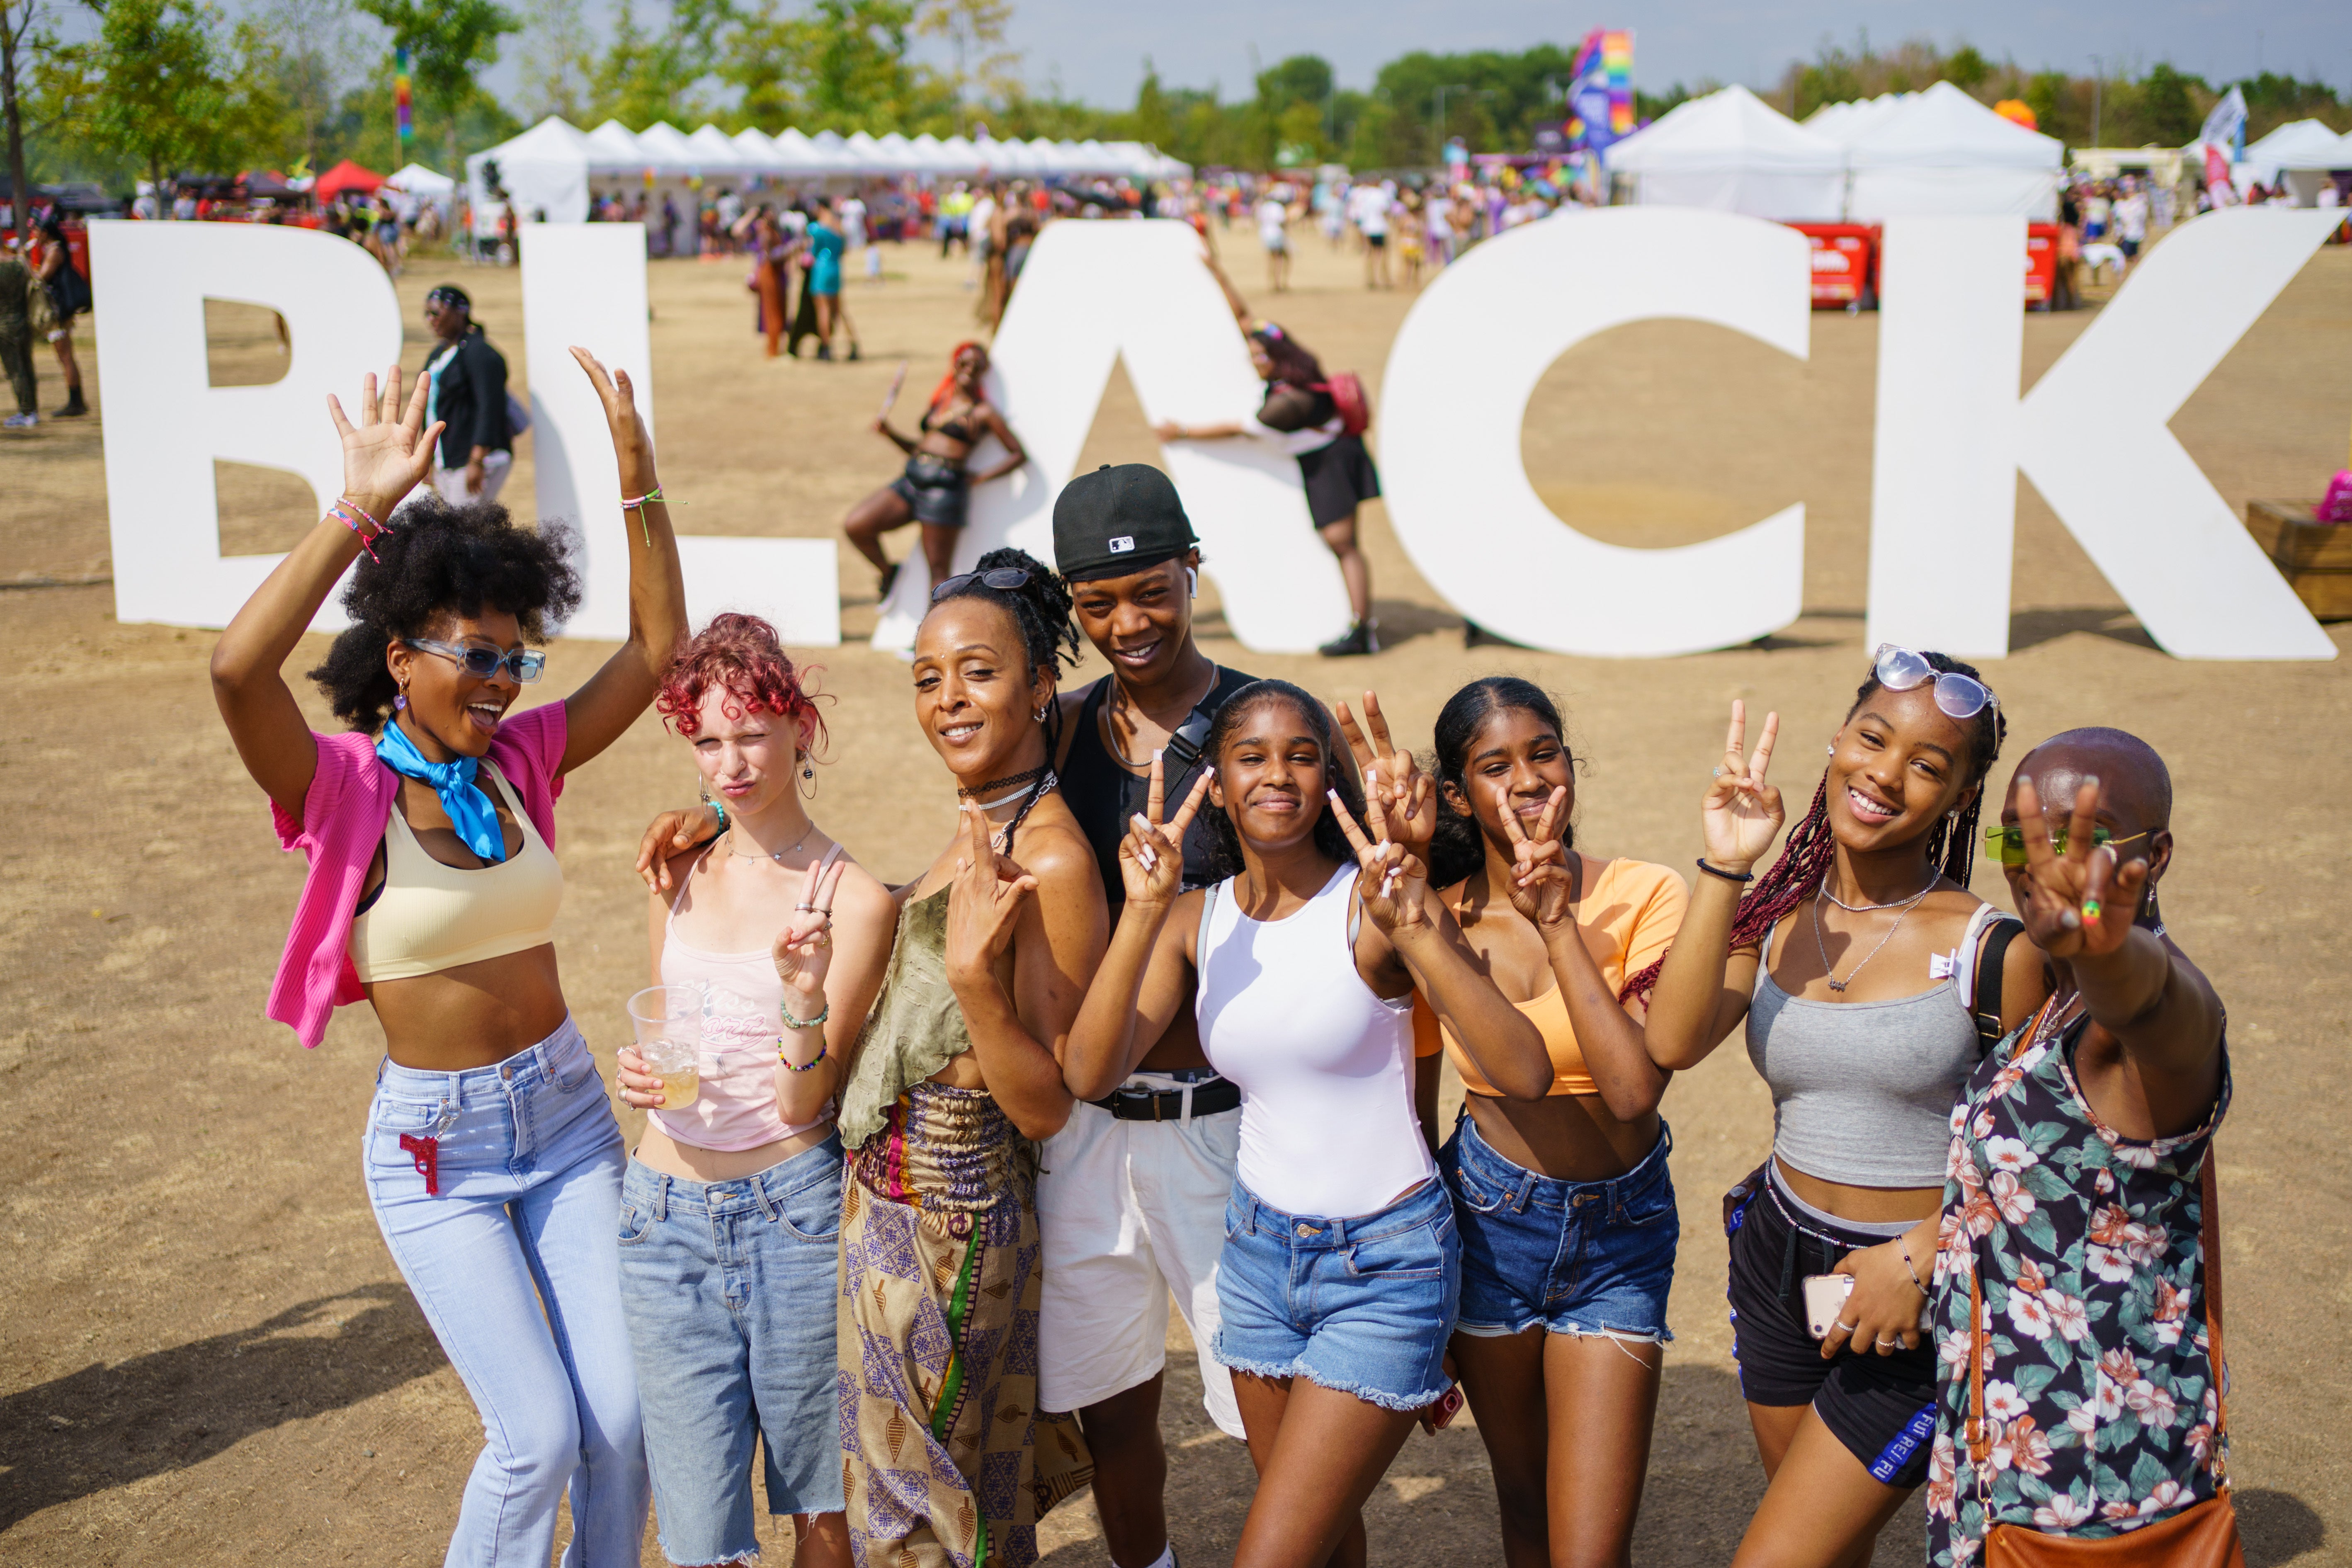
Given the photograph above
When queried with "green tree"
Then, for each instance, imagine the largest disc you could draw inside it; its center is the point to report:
(447, 42)
(1967, 68)
(974, 30)
(29, 47)
(163, 101)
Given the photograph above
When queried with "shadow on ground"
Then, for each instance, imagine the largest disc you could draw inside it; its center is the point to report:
(106, 1426)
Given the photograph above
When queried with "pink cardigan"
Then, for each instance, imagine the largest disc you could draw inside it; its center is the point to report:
(343, 818)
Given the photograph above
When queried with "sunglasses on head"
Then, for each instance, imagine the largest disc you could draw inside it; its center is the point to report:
(481, 663)
(1004, 577)
(1959, 696)
(2007, 844)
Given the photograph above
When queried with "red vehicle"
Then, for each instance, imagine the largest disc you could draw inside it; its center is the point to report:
(2041, 265)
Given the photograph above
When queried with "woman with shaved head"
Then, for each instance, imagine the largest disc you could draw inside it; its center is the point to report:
(2081, 1335)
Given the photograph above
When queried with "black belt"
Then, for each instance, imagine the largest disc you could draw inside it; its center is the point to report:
(1167, 1104)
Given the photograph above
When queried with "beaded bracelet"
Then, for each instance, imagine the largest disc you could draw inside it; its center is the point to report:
(636, 506)
(720, 808)
(801, 1066)
(351, 514)
(1910, 1268)
(791, 1023)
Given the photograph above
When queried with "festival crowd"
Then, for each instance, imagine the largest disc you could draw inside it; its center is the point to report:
(1162, 1019)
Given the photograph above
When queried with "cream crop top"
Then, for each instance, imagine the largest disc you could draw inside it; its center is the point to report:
(428, 917)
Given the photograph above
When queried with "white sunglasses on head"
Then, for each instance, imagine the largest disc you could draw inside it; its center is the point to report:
(1959, 696)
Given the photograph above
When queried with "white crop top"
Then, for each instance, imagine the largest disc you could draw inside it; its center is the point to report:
(428, 917)
(1325, 1065)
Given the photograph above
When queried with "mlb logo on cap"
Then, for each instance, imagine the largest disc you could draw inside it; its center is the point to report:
(1122, 545)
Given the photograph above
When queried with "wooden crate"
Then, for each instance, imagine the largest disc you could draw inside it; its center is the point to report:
(2314, 557)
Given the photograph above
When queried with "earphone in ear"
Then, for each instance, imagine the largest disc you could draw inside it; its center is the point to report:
(1192, 583)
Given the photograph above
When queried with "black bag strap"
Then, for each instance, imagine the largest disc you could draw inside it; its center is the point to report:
(1990, 963)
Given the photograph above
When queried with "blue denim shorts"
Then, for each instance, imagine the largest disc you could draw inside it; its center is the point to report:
(1363, 1306)
(1570, 1258)
(728, 1288)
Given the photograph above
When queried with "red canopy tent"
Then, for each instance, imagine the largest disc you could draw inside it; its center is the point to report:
(346, 177)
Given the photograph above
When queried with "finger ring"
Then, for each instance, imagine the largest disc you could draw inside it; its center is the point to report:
(1882, 1344)
(1845, 1326)
(1718, 769)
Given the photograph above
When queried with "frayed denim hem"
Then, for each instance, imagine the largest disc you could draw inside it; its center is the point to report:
(1407, 1404)
(1574, 1331)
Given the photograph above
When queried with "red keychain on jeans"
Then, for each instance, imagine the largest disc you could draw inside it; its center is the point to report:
(426, 1154)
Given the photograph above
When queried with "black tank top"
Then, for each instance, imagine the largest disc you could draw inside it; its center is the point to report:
(1102, 794)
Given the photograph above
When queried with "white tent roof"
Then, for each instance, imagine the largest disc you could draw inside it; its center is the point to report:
(545, 169)
(614, 148)
(716, 152)
(1733, 152)
(667, 146)
(1941, 151)
(2298, 145)
(759, 151)
(1847, 123)
(419, 181)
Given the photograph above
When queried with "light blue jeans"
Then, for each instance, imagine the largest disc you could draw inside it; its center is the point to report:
(731, 1290)
(514, 1264)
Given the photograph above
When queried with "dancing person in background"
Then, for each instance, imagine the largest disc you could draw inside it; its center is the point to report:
(772, 250)
(69, 297)
(1871, 981)
(491, 1158)
(1273, 236)
(465, 380)
(730, 1211)
(955, 1079)
(2078, 1221)
(824, 285)
(1339, 1280)
(1299, 415)
(1561, 1185)
(936, 488)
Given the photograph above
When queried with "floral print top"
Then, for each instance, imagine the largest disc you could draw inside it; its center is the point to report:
(2099, 1401)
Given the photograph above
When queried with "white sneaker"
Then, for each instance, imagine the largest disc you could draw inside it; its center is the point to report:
(20, 422)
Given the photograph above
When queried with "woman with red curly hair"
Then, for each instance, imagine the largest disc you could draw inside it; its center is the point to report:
(936, 488)
(730, 1211)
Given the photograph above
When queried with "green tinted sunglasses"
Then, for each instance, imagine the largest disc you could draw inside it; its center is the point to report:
(2006, 845)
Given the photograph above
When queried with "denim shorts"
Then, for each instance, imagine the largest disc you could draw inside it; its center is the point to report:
(1363, 1306)
(728, 1288)
(1570, 1258)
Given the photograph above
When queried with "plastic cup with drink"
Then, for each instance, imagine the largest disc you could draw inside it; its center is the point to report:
(668, 1024)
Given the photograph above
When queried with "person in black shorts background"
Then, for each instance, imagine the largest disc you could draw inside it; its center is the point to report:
(1299, 415)
(936, 488)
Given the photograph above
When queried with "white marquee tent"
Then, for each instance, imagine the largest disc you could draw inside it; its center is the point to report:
(2304, 146)
(1733, 152)
(545, 170)
(1941, 151)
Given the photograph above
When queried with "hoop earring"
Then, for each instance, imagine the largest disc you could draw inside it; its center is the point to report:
(808, 782)
(1043, 708)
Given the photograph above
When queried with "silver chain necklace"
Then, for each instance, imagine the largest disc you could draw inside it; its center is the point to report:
(776, 855)
(1905, 905)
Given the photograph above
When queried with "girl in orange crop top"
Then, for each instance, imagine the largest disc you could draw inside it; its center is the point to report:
(1559, 1179)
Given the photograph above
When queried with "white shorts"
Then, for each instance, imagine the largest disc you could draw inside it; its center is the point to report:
(1129, 1212)
(451, 482)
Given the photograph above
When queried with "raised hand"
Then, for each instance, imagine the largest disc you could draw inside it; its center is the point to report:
(1391, 880)
(1545, 877)
(632, 443)
(670, 834)
(1151, 856)
(1741, 815)
(2080, 904)
(1391, 772)
(804, 949)
(388, 453)
(983, 901)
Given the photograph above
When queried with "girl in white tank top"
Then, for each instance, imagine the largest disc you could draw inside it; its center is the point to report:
(1340, 1273)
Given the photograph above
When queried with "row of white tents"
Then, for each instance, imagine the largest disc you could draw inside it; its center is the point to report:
(555, 167)
(1935, 152)
(1925, 152)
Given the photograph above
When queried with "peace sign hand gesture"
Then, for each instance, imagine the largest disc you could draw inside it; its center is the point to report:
(1389, 881)
(2079, 904)
(804, 949)
(1741, 815)
(388, 453)
(983, 902)
(1392, 776)
(1151, 856)
(1544, 875)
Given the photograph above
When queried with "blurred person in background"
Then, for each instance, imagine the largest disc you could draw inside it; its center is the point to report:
(69, 297)
(16, 337)
(466, 395)
(1273, 236)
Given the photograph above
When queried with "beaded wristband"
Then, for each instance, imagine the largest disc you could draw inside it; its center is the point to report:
(1912, 1268)
(801, 1066)
(791, 1023)
(351, 515)
(720, 808)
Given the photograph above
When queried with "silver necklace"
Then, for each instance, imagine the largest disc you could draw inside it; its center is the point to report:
(1828, 969)
(777, 856)
(1866, 908)
(1020, 793)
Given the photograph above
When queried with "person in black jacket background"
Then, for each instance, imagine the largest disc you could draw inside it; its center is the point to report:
(469, 393)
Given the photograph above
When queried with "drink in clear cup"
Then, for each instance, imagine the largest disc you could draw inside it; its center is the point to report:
(668, 1024)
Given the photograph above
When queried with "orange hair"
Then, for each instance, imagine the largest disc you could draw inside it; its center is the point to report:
(947, 381)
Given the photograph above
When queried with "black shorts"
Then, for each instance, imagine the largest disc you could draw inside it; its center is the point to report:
(1377, 241)
(1881, 1407)
(1339, 477)
(935, 488)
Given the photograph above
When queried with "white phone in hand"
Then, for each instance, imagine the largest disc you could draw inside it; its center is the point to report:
(1825, 1297)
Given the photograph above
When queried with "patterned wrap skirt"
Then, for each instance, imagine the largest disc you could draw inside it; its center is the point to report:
(946, 1458)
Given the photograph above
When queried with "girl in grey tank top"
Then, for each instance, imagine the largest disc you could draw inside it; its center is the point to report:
(1854, 963)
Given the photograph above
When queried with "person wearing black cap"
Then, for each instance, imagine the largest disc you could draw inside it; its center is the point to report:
(1131, 1200)
(469, 397)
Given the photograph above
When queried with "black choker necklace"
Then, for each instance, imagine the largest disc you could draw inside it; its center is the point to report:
(1030, 777)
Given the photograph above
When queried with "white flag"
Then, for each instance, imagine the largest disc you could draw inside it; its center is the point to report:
(2226, 124)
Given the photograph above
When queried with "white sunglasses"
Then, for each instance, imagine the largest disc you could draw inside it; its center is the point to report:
(1960, 695)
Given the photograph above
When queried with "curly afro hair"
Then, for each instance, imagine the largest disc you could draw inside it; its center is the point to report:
(439, 561)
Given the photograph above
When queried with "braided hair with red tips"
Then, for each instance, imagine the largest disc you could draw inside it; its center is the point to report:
(1812, 846)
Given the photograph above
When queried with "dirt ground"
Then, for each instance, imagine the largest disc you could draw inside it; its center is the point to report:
(209, 1357)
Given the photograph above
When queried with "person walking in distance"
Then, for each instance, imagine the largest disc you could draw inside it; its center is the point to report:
(1299, 415)
(490, 1156)
(1273, 236)
(69, 297)
(466, 381)
(1871, 981)
(730, 1211)
(17, 286)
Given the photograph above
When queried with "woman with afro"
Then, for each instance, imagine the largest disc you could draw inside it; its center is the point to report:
(491, 1156)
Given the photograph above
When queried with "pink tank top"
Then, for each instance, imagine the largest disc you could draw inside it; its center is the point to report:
(740, 1021)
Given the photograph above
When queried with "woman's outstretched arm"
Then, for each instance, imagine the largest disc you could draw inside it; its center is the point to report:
(1015, 454)
(596, 715)
(385, 456)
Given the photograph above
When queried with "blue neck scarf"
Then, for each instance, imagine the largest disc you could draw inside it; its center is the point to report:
(468, 804)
